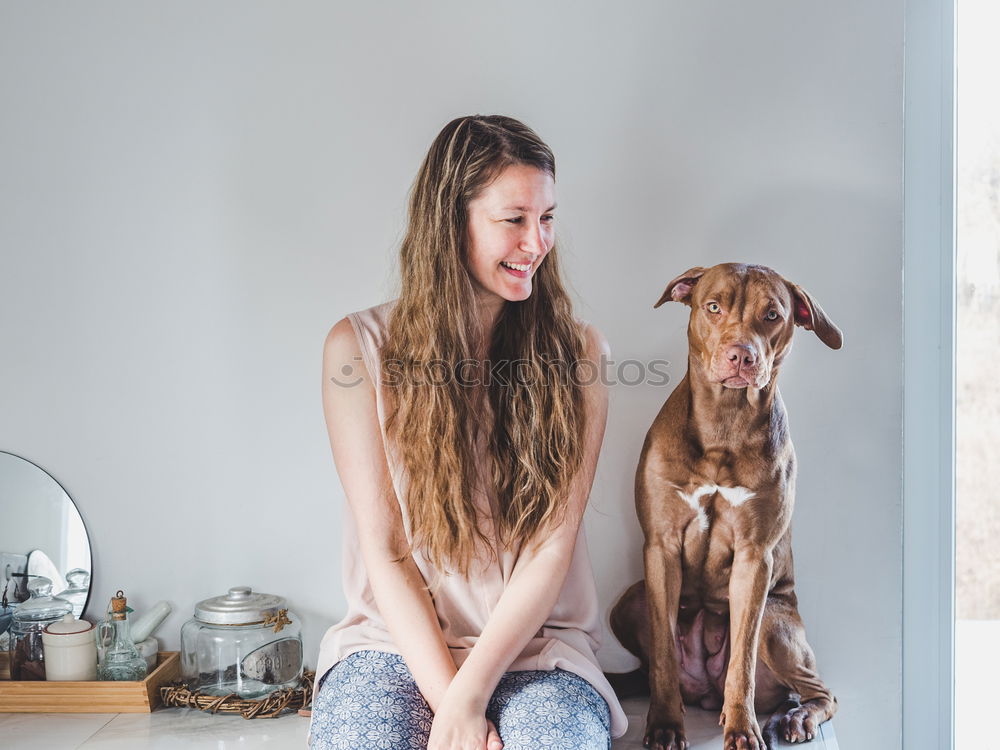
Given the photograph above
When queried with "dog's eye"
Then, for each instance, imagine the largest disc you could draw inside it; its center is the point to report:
(713, 307)
(771, 315)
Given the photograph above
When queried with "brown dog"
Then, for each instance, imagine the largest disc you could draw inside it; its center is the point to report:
(716, 622)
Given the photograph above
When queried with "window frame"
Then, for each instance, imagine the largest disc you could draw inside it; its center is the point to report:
(928, 619)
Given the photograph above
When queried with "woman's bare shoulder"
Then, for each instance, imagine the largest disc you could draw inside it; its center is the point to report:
(596, 342)
(342, 334)
(343, 361)
(341, 343)
(372, 322)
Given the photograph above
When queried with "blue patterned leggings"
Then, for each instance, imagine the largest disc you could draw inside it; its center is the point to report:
(369, 701)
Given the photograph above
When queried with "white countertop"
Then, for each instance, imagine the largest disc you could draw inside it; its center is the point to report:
(169, 728)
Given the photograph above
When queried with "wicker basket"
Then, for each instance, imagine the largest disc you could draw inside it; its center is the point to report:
(278, 702)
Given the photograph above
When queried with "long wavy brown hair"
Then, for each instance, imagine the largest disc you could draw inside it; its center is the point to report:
(535, 432)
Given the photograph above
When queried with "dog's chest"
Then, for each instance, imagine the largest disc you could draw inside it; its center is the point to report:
(710, 501)
(717, 512)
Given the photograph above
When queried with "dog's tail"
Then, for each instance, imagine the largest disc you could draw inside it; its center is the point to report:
(629, 684)
(770, 730)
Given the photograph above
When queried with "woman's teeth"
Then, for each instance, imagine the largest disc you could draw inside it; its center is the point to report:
(516, 266)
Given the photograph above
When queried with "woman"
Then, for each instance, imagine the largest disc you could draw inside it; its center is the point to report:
(466, 425)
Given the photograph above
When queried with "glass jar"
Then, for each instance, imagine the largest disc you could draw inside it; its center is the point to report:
(243, 643)
(6, 615)
(77, 590)
(27, 660)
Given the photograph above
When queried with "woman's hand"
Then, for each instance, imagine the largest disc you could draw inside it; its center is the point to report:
(462, 727)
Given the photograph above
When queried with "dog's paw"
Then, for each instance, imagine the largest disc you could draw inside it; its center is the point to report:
(665, 735)
(797, 725)
(742, 731)
(744, 740)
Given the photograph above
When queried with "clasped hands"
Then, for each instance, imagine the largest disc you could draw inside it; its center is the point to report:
(460, 723)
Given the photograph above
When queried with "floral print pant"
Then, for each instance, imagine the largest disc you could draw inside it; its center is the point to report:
(369, 701)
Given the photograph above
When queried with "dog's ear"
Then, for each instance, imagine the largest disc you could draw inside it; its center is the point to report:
(679, 290)
(810, 316)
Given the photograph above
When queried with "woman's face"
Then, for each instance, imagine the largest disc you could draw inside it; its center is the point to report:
(510, 231)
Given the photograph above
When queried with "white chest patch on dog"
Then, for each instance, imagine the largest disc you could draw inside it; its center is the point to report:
(694, 500)
(735, 496)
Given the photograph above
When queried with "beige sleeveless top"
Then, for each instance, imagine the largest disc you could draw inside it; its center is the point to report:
(569, 637)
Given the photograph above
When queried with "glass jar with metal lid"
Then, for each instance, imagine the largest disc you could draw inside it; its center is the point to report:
(243, 643)
(27, 656)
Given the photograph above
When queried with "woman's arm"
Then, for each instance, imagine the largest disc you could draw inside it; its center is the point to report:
(359, 453)
(535, 583)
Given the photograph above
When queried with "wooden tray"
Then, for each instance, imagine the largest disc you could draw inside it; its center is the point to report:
(27, 696)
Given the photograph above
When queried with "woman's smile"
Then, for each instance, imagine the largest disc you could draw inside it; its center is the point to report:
(522, 271)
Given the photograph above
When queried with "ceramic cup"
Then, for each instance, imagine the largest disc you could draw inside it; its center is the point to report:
(70, 650)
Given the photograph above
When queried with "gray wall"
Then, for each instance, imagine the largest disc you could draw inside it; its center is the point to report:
(192, 194)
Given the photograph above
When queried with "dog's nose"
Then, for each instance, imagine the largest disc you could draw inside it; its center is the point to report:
(741, 356)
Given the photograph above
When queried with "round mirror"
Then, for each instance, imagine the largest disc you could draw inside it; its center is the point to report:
(41, 533)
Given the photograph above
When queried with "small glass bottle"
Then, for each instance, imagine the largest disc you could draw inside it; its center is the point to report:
(121, 658)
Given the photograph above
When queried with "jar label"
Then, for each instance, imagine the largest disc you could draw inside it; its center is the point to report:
(275, 663)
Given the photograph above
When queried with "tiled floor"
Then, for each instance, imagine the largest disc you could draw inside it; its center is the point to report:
(176, 728)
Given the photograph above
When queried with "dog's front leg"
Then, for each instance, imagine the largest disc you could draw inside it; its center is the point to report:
(748, 587)
(665, 721)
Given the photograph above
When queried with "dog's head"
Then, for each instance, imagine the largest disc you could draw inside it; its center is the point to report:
(742, 320)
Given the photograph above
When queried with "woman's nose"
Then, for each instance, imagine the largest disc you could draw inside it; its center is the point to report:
(534, 239)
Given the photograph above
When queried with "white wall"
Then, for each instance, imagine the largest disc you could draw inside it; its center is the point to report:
(192, 194)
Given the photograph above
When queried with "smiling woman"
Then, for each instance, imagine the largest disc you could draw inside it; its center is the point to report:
(470, 595)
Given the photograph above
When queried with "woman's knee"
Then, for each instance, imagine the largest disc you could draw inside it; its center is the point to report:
(551, 709)
(369, 701)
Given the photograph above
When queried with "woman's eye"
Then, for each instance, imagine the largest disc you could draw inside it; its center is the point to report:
(771, 315)
(548, 217)
(515, 220)
(713, 307)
